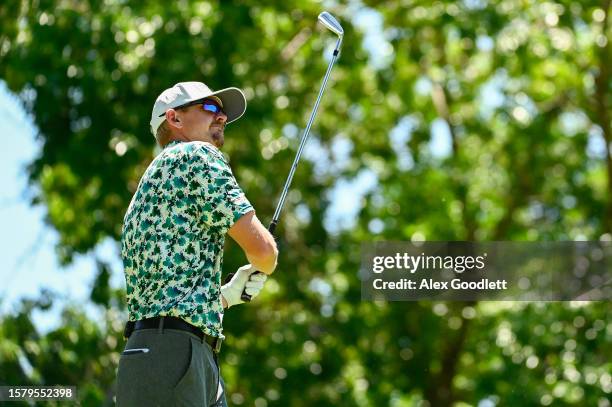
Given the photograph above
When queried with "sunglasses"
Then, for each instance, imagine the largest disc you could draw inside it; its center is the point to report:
(208, 105)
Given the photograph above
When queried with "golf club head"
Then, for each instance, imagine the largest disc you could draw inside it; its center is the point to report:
(331, 23)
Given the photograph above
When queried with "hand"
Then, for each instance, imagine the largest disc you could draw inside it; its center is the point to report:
(243, 280)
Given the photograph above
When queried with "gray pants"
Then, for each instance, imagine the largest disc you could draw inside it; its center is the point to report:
(168, 368)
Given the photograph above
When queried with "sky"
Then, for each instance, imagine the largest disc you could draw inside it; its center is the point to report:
(29, 263)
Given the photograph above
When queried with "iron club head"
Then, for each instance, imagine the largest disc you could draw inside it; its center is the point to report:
(331, 23)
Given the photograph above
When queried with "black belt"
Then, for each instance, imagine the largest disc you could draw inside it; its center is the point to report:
(173, 323)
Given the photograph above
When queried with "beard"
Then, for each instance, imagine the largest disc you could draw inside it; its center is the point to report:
(218, 136)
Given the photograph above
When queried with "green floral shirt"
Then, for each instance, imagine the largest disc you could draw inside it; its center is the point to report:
(174, 232)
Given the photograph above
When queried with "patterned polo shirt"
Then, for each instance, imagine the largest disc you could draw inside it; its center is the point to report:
(174, 232)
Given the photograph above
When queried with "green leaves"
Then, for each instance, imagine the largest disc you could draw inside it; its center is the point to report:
(477, 120)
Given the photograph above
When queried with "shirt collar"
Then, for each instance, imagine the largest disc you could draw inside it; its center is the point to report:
(175, 142)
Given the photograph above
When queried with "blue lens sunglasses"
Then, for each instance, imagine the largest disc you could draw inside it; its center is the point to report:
(208, 105)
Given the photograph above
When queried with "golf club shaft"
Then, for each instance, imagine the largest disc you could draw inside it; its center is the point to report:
(279, 207)
(298, 155)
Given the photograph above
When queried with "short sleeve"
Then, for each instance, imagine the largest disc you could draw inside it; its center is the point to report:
(223, 201)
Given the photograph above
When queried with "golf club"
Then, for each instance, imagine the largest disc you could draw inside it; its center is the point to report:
(334, 26)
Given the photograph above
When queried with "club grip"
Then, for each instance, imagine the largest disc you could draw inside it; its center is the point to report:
(244, 296)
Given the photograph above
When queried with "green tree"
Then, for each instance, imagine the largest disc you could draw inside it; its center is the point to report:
(522, 88)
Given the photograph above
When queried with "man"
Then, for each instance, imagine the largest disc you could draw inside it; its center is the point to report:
(172, 248)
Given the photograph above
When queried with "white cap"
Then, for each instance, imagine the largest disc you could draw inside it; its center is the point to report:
(233, 100)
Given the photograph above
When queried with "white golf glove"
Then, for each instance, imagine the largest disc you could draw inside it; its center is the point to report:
(243, 279)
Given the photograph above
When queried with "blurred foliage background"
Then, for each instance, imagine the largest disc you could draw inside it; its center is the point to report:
(452, 120)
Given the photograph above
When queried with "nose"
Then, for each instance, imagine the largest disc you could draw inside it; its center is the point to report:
(221, 117)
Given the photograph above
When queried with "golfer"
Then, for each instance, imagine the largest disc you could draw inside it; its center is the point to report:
(172, 249)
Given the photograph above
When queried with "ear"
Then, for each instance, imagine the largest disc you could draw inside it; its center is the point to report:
(173, 119)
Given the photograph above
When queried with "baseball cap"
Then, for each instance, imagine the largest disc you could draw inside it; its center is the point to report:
(233, 100)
